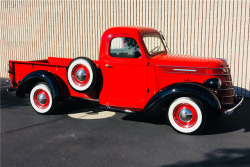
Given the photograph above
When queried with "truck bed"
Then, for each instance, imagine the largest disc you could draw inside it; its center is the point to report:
(57, 66)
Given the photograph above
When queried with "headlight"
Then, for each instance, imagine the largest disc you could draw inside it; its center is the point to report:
(213, 83)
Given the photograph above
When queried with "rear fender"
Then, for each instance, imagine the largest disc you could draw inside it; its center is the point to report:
(170, 93)
(39, 76)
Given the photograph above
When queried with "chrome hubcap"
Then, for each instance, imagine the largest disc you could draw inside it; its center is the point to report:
(81, 75)
(185, 115)
(42, 98)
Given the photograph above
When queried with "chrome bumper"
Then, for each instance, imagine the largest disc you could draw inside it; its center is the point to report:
(231, 110)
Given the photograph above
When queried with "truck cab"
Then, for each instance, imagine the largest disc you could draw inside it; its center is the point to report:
(135, 73)
(124, 65)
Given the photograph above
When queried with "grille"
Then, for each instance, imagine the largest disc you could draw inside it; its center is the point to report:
(226, 92)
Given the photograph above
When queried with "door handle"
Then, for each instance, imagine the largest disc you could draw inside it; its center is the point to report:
(107, 65)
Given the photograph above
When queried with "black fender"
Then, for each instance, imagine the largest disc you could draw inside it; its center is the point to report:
(38, 76)
(171, 92)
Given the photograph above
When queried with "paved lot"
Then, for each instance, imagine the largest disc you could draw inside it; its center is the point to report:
(30, 139)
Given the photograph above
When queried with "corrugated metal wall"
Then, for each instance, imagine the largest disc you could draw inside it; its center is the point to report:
(33, 29)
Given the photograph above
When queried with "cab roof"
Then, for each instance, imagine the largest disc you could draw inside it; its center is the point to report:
(133, 30)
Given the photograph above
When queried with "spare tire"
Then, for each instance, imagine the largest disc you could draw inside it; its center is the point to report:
(82, 74)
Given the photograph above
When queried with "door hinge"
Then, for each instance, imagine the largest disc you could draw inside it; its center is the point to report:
(147, 63)
(147, 90)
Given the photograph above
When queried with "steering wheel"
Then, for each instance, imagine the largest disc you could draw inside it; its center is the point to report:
(154, 49)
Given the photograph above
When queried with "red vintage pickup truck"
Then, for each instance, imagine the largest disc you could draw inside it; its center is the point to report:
(135, 73)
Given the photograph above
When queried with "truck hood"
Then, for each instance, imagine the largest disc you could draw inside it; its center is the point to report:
(168, 59)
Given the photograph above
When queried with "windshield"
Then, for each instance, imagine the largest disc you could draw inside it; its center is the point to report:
(154, 44)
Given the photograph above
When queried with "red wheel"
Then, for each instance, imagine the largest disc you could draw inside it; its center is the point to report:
(186, 115)
(81, 74)
(41, 98)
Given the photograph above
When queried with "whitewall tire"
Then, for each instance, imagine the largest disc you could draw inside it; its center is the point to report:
(41, 98)
(82, 74)
(186, 115)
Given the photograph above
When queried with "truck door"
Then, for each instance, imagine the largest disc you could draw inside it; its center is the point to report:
(124, 72)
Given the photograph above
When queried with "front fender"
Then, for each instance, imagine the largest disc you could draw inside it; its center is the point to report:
(38, 76)
(171, 92)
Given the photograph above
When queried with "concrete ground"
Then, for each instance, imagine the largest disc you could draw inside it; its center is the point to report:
(30, 139)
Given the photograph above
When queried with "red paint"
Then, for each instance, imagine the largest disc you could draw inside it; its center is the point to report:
(131, 82)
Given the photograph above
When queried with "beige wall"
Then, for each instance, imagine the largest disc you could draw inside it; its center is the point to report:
(33, 29)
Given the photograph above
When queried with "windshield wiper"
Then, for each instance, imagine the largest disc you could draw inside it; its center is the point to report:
(164, 42)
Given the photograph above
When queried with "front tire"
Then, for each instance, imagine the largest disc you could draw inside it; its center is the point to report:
(186, 115)
(41, 99)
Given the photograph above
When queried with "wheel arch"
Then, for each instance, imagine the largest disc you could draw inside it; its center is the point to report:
(194, 90)
(39, 76)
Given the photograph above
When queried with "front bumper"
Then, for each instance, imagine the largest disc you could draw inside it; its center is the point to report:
(238, 102)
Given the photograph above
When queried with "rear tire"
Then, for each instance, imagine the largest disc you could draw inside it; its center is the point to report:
(187, 115)
(41, 98)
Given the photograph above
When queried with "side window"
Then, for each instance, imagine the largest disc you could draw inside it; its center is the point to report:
(124, 47)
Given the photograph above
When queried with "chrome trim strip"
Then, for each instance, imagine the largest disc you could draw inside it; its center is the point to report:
(180, 66)
(190, 67)
(184, 70)
(180, 72)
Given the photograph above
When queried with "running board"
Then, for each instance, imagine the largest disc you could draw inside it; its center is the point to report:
(102, 107)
